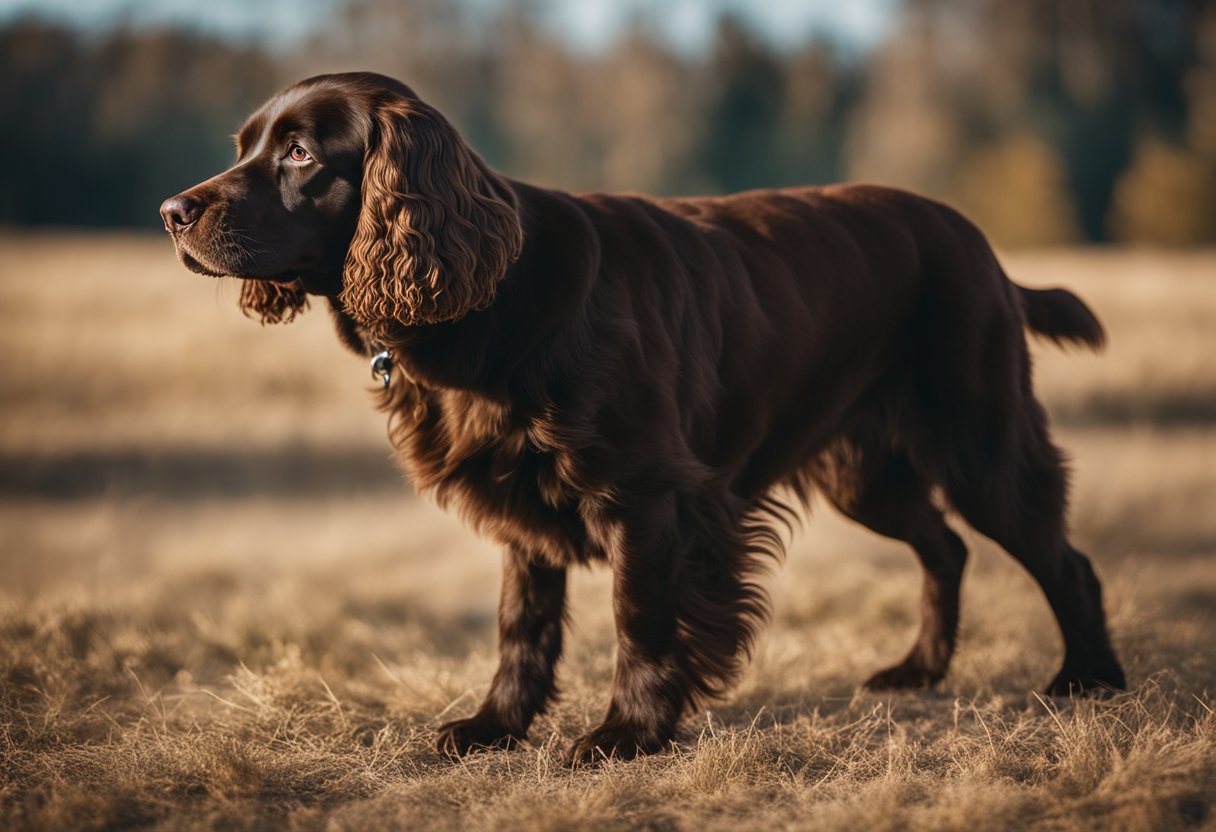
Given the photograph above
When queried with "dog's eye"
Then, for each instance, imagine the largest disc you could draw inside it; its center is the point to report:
(298, 154)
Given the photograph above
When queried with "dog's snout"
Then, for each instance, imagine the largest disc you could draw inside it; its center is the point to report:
(180, 212)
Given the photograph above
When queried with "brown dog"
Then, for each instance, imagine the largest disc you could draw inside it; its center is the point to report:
(627, 379)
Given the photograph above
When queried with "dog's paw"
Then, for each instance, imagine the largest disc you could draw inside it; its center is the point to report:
(1093, 681)
(480, 732)
(907, 675)
(615, 740)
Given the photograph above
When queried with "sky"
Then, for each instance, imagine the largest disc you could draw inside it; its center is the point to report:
(586, 23)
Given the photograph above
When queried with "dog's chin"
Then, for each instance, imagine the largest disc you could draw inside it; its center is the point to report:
(197, 266)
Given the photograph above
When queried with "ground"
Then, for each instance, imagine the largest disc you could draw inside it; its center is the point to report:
(222, 607)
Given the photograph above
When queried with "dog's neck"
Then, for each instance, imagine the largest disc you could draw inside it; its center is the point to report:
(483, 351)
(351, 333)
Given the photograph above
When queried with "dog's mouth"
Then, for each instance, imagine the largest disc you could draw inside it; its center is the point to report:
(197, 265)
(201, 259)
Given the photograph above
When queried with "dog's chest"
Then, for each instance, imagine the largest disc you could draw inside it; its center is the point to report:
(509, 477)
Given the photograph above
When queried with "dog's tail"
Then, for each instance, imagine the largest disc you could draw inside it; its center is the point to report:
(1063, 317)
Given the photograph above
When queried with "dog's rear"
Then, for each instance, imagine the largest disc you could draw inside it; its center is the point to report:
(895, 365)
(958, 413)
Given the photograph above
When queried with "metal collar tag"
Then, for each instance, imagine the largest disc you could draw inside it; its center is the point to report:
(382, 367)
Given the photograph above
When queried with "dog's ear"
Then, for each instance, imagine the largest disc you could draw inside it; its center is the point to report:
(437, 230)
(272, 303)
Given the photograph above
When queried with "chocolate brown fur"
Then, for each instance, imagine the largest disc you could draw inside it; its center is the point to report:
(629, 380)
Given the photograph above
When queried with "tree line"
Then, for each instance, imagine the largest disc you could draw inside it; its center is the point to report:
(1048, 121)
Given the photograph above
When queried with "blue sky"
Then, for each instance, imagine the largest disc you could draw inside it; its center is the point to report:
(587, 23)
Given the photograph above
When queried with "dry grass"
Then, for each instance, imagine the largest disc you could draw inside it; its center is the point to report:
(221, 610)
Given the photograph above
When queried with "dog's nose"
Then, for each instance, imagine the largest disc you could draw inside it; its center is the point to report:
(180, 212)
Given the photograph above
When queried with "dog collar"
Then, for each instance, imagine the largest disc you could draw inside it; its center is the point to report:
(382, 367)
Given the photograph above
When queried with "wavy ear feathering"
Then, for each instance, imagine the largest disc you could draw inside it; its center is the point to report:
(438, 229)
(272, 303)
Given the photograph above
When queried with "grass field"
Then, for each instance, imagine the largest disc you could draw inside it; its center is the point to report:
(221, 608)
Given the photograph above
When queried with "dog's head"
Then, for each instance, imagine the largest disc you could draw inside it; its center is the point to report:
(351, 187)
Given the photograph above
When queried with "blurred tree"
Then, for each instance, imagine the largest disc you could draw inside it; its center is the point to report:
(820, 90)
(1088, 76)
(164, 117)
(1016, 190)
(45, 92)
(624, 119)
(648, 118)
(1050, 120)
(744, 107)
(106, 128)
(1168, 194)
(907, 129)
(431, 45)
(1167, 197)
(543, 110)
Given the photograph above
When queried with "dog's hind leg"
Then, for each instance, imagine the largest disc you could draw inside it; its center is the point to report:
(1011, 486)
(881, 491)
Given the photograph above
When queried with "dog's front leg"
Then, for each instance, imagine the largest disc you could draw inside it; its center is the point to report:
(650, 687)
(530, 619)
